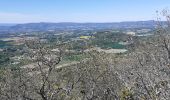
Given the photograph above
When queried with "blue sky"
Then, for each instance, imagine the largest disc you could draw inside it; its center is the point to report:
(24, 11)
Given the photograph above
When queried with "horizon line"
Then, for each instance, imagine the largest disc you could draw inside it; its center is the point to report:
(77, 22)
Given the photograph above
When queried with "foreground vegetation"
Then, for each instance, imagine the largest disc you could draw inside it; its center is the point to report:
(139, 75)
(62, 70)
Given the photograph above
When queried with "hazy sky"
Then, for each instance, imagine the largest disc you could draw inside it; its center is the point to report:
(23, 11)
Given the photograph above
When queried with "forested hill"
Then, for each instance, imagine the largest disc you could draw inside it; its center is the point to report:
(30, 27)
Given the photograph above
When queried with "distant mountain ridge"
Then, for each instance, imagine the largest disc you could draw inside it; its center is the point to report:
(7, 24)
(31, 27)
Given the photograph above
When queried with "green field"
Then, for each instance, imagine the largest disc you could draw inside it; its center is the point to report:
(4, 44)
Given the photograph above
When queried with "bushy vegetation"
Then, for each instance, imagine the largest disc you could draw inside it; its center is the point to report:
(4, 58)
(4, 44)
(107, 40)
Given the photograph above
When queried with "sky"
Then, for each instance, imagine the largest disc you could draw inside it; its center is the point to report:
(27, 11)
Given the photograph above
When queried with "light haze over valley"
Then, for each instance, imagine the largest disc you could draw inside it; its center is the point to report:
(84, 50)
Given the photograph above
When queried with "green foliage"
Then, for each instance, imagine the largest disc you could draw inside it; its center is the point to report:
(4, 58)
(108, 40)
(113, 45)
(25, 62)
(126, 94)
(108, 44)
(16, 71)
(77, 57)
(2, 73)
(4, 44)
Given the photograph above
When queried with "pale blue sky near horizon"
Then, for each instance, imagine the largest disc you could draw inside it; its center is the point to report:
(26, 11)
